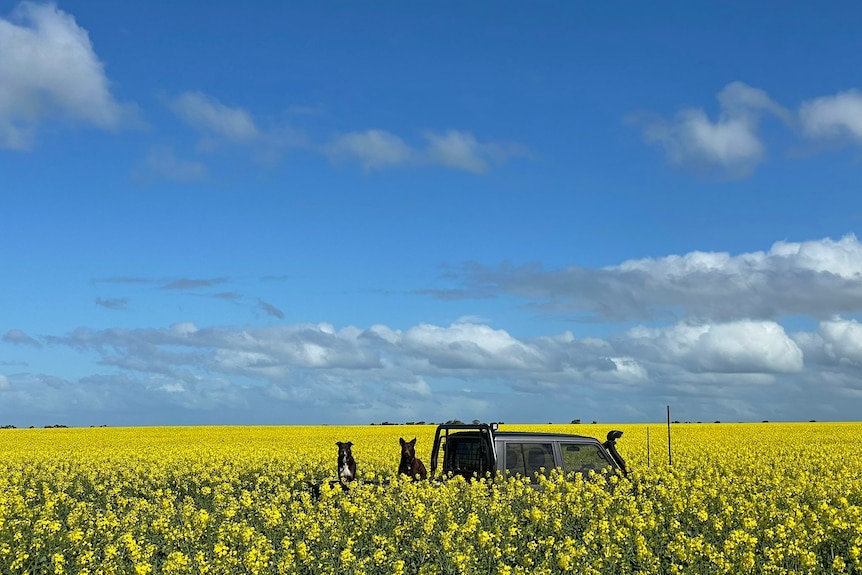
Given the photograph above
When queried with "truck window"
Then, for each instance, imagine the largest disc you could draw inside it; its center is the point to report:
(582, 458)
(525, 459)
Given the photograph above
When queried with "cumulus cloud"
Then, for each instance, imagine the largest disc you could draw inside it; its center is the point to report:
(836, 342)
(729, 143)
(734, 347)
(818, 278)
(468, 346)
(119, 400)
(731, 356)
(374, 149)
(214, 119)
(721, 369)
(220, 126)
(274, 353)
(378, 149)
(456, 150)
(738, 99)
(838, 116)
(50, 71)
(460, 150)
(186, 353)
(18, 337)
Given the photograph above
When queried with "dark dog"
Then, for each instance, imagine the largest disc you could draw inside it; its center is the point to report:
(410, 464)
(346, 463)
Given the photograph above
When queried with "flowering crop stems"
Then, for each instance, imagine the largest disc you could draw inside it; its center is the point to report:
(739, 498)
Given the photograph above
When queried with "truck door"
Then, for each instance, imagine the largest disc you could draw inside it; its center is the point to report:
(527, 459)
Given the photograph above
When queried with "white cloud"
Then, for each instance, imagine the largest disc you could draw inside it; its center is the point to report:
(714, 370)
(730, 143)
(837, 341)
(214, 119)
(406, 360)
(739, 99)
(818, 278)
(50, 70)
(843, 340)
(735, 347)
(629, 369)
(375, 149)
(221, 126)
(460, 150)
(378, 149)
(469, 346)
(456, 149)
(693, 139)
(841, 258)
(730, 363)
(833, 116)
(185, 328)
(276, 353)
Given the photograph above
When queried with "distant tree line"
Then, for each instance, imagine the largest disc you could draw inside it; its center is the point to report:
(55, 426)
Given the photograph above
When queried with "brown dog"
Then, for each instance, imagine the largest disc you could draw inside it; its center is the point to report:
(411, 465)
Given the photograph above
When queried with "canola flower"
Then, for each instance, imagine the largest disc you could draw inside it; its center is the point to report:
(739, 498)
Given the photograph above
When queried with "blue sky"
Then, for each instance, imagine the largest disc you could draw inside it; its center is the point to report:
(315, 212)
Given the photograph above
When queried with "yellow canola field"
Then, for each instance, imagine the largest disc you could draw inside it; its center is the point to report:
(739, 498)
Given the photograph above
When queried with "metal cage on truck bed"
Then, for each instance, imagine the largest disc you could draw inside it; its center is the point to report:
(469, 452)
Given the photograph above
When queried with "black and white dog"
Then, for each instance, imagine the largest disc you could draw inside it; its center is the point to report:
(346, 463)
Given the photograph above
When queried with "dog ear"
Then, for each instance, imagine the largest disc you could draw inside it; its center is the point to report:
(401, 441)
(338, 443)
(349, 444)
(413, 442)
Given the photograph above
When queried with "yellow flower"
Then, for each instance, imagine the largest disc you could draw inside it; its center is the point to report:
(838, 565)
(58, 561)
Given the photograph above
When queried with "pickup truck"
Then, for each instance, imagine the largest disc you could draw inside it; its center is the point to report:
(474, 450)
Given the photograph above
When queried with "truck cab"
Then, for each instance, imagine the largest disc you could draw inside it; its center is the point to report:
(474, 450)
